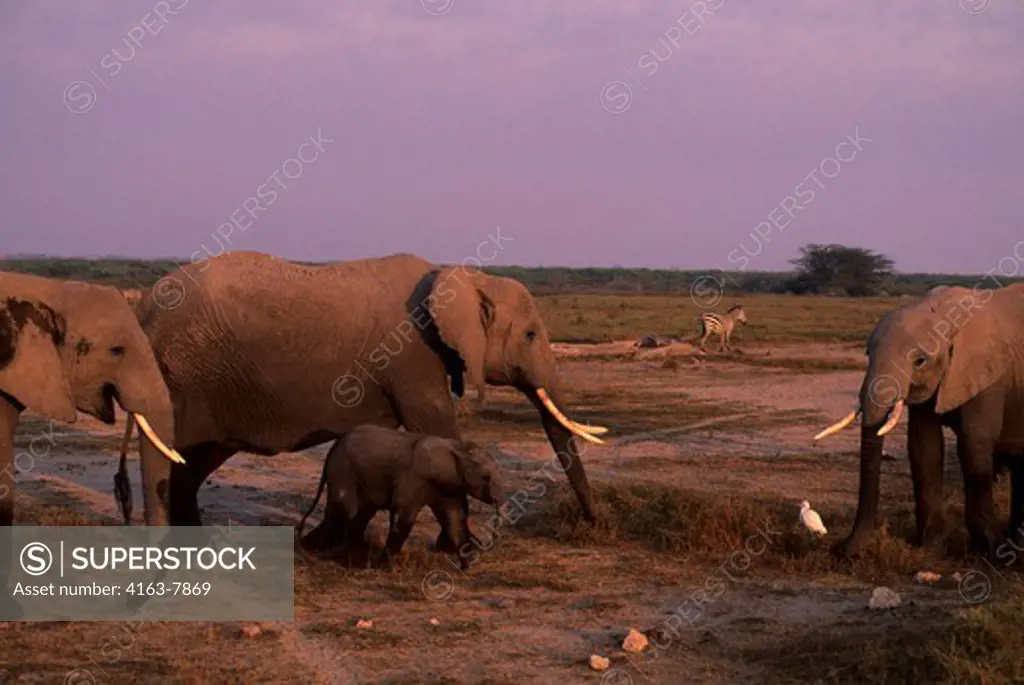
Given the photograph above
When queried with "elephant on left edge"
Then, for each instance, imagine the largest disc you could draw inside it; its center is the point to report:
(67, 346)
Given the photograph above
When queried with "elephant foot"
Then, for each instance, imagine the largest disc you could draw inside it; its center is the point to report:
(984, 546)
(465, 562)
(317, 540)
(1015, 532)
(444, 544)
(850, 547)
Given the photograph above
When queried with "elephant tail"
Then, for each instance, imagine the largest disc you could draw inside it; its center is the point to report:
(316, 499)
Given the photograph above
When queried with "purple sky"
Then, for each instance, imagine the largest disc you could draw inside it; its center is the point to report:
(493, 113)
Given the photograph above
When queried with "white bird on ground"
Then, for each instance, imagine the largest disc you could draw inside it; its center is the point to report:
(811, 520)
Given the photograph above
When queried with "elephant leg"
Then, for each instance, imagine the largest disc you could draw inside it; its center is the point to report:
(455, 532)
(926, 450)
(332, 531)
(9, 415)
(200, 462)
(401, 526)
(1016, 469)
(355, 530)
(9, 607)
(447, 514)
(981, 422)
(976, 464)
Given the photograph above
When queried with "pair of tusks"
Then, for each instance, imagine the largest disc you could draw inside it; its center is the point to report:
(587, 433)
(894, 417)
(151, 435)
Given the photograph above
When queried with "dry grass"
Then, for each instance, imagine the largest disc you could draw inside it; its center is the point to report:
(679, 502)
(934, 645)
(772, 318)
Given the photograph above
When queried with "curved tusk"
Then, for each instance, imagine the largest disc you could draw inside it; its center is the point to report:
(839, 425)
(157, 442)
(569, 425)
(593, 430)
(894, 418)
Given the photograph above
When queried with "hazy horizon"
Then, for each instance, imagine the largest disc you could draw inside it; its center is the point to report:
(593, 133)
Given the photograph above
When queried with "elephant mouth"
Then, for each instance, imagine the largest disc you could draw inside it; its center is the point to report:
(105, 408)
(892, 418)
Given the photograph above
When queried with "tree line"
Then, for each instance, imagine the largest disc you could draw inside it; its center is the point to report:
(835, 270)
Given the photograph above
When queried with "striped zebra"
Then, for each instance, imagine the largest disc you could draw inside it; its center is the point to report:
(723, 324)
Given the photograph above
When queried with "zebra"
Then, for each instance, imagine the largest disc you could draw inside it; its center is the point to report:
(709, 323)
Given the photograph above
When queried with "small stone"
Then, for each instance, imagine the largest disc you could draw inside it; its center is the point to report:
(957, 577)
(599, 663)
(927, 577)
(884, 598)
(434, 622)
(252, 630)
(363, 623)
(635, 642)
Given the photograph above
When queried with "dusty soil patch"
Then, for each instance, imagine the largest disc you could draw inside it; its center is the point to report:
(700, 461)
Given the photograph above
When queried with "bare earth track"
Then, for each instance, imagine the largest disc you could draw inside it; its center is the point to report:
(705, 452)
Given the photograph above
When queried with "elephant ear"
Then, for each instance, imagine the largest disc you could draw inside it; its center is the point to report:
(438, 456)
(30, 367)
(980, 355)
(463, 313)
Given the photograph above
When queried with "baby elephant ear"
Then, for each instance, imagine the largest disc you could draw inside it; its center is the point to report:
(30, 367)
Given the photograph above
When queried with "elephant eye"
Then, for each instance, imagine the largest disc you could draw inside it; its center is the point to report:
(920, 361)
(117, 351)
(531, 335)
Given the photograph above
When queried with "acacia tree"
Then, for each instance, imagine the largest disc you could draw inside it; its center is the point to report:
(845, 270)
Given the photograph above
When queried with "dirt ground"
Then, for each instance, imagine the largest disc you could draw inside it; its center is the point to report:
(706, 462)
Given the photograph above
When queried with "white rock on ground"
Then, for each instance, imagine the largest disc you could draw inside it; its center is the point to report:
(251, 630)
(599, 663)
(361, 623)
(635, 642)
(434, 622)
(927, 577)
(884, 598)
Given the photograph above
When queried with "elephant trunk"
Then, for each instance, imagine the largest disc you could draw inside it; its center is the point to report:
(871, 445)
(881, 404)
(560, 432)
(142, 392)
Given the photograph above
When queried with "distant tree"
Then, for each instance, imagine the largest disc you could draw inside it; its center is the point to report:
(841, 270)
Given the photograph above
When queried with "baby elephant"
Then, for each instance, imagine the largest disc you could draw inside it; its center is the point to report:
(374, 468)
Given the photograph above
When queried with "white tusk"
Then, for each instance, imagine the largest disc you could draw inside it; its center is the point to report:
(894, 418)
(593, 430)
(839, 425)
(128, 429)
(157, 442)
(569, 425)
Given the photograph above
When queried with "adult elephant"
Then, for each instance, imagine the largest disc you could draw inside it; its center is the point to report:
(265, 356)
(956, 358)
(66, 347)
